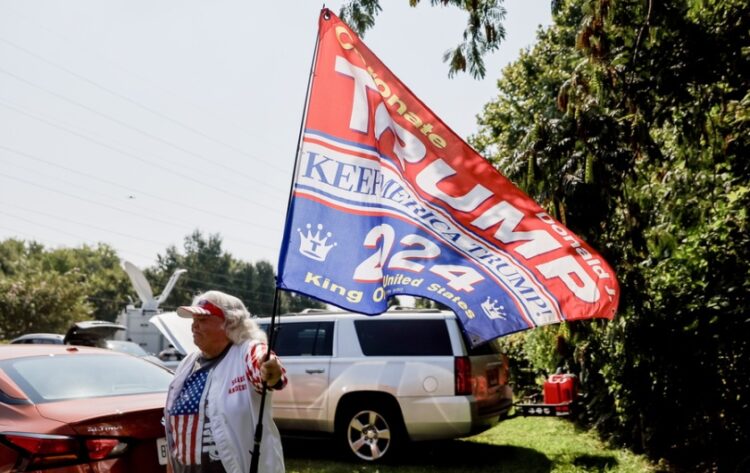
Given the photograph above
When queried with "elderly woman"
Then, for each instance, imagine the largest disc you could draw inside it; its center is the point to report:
(213, 402)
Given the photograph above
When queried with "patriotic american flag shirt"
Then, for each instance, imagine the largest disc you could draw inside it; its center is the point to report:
(190, 435)
(190, 438)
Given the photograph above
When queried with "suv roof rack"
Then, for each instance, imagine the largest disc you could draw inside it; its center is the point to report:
(396, 308)
(313, 311)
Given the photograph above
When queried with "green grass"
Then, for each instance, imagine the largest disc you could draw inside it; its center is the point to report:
(519, 445)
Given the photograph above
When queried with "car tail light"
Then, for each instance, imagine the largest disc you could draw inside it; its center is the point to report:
(102, 448)
(462, 365)
(43, 450)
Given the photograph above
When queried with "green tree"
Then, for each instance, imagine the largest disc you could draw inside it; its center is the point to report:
(104, 282)
(36, 299)
(210, 267)
(483, 34)
(41, 302)
(292, 302)
(266, 287)
(629, 122)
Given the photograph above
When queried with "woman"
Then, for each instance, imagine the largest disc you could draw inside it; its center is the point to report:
(213, 402)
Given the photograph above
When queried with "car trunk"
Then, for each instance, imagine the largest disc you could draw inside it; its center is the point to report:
(133, 420)
(91, 333)
(117, 415)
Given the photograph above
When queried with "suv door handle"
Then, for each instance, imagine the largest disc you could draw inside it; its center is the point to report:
(318, 371)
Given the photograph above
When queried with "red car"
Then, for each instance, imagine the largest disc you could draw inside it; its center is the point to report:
(79, 409)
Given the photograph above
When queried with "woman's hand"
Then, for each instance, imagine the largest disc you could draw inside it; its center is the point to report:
(270, 371)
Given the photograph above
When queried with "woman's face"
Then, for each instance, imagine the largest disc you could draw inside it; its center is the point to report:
(209, 334)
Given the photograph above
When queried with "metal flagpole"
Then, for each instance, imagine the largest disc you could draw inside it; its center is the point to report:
(255, 454)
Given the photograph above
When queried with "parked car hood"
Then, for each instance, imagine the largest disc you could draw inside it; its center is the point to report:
(91, 332)
(177, 330)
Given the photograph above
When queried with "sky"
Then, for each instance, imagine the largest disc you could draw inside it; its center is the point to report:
(135, 122)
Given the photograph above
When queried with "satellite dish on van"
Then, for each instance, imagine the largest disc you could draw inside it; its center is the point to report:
(143, 288)
(170, 284)
(141, 285)
(136, 319)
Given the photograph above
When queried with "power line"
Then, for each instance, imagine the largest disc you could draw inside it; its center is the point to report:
(174, 223)
(240, 240)
(143, 132)
(132, 190)
(4, 212)
(213, 285)
(140, 105)
(116, 208)
(86, 200)
(33, 238)
(69, 184)
(125, 153)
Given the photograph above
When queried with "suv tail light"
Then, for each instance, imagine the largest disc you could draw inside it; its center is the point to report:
(505, 371)
(43, 450)
(462, 365)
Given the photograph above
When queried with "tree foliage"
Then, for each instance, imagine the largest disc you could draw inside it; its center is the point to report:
(40, 302)
(105, 284)
(628, 121)
(483, 34)
(210, 267)
(45, 290)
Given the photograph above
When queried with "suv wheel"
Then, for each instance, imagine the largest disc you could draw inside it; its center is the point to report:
(371, 433)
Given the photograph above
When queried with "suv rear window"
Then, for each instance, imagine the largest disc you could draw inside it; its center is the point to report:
(303, 339)
(403, 337)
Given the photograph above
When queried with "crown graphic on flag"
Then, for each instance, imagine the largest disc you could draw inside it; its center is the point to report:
(314, 246)
(492, 309)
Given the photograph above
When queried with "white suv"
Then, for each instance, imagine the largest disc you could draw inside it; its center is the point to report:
(378, 381)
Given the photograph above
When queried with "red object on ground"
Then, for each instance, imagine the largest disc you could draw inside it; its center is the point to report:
(560, 388)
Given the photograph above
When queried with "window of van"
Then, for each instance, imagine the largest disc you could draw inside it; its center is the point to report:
(303, 339)
(403, 337)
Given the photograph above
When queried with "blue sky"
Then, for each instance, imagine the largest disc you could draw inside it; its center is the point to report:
(134, 122)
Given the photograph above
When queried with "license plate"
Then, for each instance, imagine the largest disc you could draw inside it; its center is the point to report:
(161, 450)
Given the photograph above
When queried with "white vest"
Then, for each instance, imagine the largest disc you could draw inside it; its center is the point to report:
(232, 422)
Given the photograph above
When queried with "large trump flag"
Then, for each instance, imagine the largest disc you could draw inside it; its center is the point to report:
(387, 200)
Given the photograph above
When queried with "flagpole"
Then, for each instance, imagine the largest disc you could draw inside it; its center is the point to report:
(255, 454)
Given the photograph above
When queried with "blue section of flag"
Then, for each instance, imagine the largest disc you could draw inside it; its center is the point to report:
(333, 279)
(357, 234)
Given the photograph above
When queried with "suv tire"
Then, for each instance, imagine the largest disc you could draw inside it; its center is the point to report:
(372, 432)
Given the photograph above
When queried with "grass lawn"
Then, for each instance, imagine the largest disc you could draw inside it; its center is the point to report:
(519, 445)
